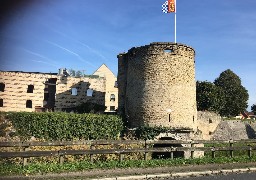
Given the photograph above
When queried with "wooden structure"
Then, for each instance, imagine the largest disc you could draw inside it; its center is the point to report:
(146, 147)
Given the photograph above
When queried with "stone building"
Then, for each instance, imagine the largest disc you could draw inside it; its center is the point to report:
(157, 86)
(111, 95)
(33, 91)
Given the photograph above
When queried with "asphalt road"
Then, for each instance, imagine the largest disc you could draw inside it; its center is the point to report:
(244, 176)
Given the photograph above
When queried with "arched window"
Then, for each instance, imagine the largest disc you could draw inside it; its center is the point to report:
(116, 85)
(74, 91)
(168, 50)
(2, 86)
(89, 92)
(30, 89)
(29, 104)
(112, 97)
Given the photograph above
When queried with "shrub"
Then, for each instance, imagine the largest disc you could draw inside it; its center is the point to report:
(65, 126)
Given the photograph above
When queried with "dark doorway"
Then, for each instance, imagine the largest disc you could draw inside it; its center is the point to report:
(167, 155)
(1, 102)
(30, 89)
(2, 86)
(28, 104)
(49, 93)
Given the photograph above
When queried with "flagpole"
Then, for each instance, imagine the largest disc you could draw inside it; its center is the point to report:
(175, 22)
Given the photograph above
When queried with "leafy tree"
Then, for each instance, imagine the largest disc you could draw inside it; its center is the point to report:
(253, 108)
(72, 72)
(209, 97)
(75, 73)
(79, 74)
(235, 95)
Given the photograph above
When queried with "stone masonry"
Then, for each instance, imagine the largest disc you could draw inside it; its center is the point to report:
(31, 91)
(111, 96)
(157, 86)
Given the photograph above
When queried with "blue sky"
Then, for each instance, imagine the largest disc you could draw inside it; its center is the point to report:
(45, 35)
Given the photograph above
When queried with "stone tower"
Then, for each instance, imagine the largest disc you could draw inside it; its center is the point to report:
(157, 87)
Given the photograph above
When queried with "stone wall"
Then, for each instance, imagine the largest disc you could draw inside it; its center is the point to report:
(15, 94)
(65, 99)
(207, 122)
(23, 91)
(157, 85)
(235, 129)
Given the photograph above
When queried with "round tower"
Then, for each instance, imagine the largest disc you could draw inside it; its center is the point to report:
(157, 86)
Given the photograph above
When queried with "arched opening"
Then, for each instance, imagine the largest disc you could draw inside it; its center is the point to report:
(167, 155)
(1, 102)
(30, 88)
(112, 97)
(28, 104)
(2, 86)
(74, 91)
(168, 50)
(89, 92)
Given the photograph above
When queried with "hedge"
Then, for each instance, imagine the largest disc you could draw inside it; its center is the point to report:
(65, 126)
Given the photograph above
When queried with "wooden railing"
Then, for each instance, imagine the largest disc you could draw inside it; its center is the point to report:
(148, 146)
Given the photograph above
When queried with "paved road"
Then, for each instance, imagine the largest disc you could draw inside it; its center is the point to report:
(244, 176)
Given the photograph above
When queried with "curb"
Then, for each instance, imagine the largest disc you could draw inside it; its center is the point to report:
(145, 173)
(181, 174)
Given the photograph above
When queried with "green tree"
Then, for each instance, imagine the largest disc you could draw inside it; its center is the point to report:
(79, 74)
(253, 108)
(235, 95)
(72, 72)
(208, 97)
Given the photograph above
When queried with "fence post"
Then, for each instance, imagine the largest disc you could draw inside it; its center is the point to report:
(250, 151)
(91, 155)
(121, 156)
(172, 152)
(25, 160)
(213, 152)
(146, 147)
(231, 144)
(192, 152)
(61, 158)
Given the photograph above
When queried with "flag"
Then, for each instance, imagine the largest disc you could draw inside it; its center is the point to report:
(168, 6)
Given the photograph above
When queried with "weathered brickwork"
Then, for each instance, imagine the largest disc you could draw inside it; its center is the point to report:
(207, 122)
(65, 99)
(157, 85)
(21, 91)
(15, 93)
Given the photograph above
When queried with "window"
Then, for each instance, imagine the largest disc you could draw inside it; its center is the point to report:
(112, 108)
(2, 86)
(74, 91)
(112, 97)
(29, 104)
(210, 120)
(1, 102)
(168, 51)
(30, 88)
(116, 85)
(89, 92)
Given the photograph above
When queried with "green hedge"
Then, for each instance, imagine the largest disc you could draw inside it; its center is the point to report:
(65, 126)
